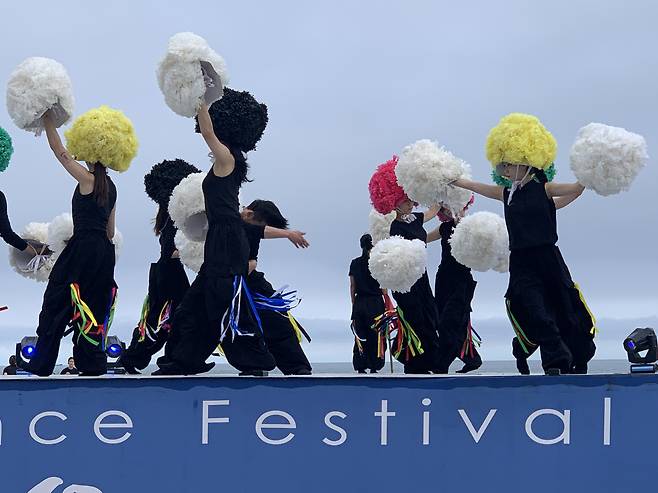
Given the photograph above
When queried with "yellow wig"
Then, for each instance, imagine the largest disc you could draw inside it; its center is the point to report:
(103, 135)
(521, 139)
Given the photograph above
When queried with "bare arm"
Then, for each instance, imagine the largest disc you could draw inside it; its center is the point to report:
(490, 191)
(430, 213)
(111, 222)
(224, 161)
(252, 265)
(433, 235)
(295, 237)
(352, 289)
(74, 168)
(561, 189)
(565, 200)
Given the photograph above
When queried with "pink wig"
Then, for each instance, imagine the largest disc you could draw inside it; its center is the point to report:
(445, 218)
(385, 193)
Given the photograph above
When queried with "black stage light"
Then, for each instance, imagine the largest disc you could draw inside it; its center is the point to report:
(642, 340)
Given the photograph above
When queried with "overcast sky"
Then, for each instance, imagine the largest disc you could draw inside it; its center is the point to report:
(347, 85)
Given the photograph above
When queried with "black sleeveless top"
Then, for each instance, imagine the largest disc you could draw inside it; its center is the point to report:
(530, 218)
(221, 193)
(410, 231)
(166, 239)
(365, 284)
(6, 232)
(447, 260)
(88, 216)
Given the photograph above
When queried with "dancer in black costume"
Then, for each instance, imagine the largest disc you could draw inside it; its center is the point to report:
(418, 305)
(522, 151)
(81, 288)
(282, 332)
(168, 281)
(453, 290)
(367, 304)
(235, 127)
(6, 232)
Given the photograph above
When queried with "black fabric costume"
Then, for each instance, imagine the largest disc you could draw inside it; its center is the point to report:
(453, 290)
(196, 329)
(368, 304)
(88, 262)
(541, 294)
(6, 232)
(168, 284)
(280, 336)
(419, 307)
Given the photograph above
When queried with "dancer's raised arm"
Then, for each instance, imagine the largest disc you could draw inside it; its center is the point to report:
(224, 160)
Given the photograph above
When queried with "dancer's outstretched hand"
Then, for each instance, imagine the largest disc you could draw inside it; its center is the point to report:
(297, 239)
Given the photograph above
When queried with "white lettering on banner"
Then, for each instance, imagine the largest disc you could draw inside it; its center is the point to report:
(477, 434)
(261, 424)
(49, 485)
(98, 425)
(566, 426)
(33, 425)
(384, 414)
(426, 421)
(607, 409)
(205, 420)
(335, 427)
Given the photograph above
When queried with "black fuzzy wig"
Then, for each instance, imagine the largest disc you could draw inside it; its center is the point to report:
(238, 119)
(164, 177)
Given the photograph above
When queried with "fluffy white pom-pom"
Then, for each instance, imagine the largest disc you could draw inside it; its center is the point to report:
(607, 159)
(117, 241)
(60, 231)
(480, 242)
(456, 198)
(397, 263)
(379, 225)
(190, 252)
(424, 170)
(37, 85)
(188, 209)
(181, 74)
(25, 263)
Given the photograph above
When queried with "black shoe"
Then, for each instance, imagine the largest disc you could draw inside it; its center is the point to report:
(372, 372)
(125, 363)
(468, 368)
(522, 366)
(362, 372)
(253, 373)
(579, 369)
(553, 371)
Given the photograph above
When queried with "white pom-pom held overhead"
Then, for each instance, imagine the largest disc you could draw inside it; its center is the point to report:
(424, 170)
(190, 252)
(379, 225)
(191, 72)
(36, 86)
(25, 262)
(397, 263)
(187, 207)
(607, 159)
(480, 242)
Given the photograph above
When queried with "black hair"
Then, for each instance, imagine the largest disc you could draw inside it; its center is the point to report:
(266, 211)
(540, 176)
(100, 194)
(238, 120)
(161, 220)
(366, 244)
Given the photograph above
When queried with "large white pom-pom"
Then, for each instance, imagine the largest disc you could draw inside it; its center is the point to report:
(379, 225)
(190, 252)
(35, 86)
(60, 231)
(480, 242)
(424, 170)
(24, 262)
(397, 263)
(607, 159)
(181, 74)
(187, 208)
(456, 198)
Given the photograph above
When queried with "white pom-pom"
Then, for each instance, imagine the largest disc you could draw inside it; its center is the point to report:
(35, 86)
(456, 198)
(397, 263)
(480, 242)
(190, 252)
(187, 208)
(607, 159)
(60, 231)
(181, 74)
(379, 225)
(424, 170)
(24, 262)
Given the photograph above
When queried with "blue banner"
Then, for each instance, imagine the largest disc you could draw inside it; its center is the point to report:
(327, 434)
